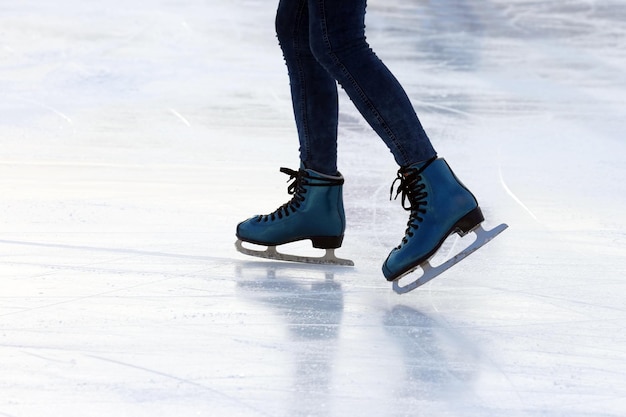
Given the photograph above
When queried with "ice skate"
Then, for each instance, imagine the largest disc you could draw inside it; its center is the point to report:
(315, 213)
(440, 205)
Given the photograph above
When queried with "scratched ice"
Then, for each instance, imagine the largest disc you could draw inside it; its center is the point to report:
(135, 134)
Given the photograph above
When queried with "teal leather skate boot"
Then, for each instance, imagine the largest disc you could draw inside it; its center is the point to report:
(439, 204)
(314, 212)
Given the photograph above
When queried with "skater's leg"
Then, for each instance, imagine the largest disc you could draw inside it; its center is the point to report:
(313, 90)
(438, 202)
(315, 211)
(338, 43)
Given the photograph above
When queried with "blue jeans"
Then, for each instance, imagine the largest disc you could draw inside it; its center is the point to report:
(323, 42)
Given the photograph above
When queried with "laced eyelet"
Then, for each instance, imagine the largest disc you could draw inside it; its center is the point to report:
(413, 192)
(296, 188)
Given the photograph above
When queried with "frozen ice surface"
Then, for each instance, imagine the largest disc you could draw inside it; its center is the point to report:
(135, 134)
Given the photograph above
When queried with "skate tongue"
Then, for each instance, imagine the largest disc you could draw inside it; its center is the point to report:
(421, 166)
(408, 176)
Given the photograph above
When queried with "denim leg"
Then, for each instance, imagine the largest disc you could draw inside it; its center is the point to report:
(337, 39)
(313, 89)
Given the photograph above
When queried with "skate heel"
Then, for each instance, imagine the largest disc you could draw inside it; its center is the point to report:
(469, 222)
(327, 242)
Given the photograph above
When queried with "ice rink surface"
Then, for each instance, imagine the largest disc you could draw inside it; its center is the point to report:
(135, 135)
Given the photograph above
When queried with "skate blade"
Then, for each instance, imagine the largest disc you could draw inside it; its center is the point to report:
(271, 253)
(429, 272)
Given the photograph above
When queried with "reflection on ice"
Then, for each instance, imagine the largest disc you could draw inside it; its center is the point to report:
(438, 362)
(135, 135)
(312, 307)
(310, 304)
